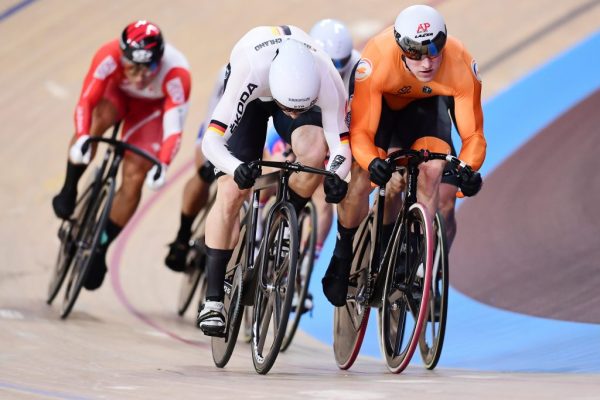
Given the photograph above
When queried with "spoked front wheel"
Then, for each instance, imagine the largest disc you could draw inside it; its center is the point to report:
(194, 267)
(432, 335)
(307, 225)
(88, 240)
(66, 251)
(222, 347)
(275, 286)
(350, 321)
(407, 288)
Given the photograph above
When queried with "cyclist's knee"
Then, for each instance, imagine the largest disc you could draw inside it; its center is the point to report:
(396, 185)
(133, 174)
(360, 184)
(206, 173)
(432, 170)
(229, 196)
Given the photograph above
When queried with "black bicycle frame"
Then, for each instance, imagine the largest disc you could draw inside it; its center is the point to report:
(281, 178)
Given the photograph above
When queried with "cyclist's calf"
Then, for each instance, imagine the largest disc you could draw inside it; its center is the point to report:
(223, 217)
(355, 206)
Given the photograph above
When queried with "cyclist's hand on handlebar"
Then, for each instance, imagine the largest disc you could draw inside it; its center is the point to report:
(380, 171)
(245, 175)
(470, 184)
(335, 189)
(76, 154)
(154, 181)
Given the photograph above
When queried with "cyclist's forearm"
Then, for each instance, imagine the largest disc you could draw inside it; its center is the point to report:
(213, 147)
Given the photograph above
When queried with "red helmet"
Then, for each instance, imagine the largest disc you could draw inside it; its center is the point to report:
(142, 43)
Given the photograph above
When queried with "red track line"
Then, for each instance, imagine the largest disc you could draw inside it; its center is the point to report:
(119, 249)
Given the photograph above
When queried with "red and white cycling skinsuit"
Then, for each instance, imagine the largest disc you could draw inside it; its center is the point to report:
(153, 116)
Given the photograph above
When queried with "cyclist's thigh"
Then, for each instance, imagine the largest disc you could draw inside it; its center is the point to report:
(108, 111)
(286, 125)
(423, 117)
(142, 126)
(386, 128)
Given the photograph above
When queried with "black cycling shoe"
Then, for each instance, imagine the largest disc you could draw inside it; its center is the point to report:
(64, 204)
(336, 279)
(97, 271)
(177, 257)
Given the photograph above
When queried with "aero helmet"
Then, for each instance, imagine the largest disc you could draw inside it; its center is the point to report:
(294, 78)
(142, 43)
(420, 31)
(333, 37)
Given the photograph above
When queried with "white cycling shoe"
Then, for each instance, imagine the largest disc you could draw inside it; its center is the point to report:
(211, 318)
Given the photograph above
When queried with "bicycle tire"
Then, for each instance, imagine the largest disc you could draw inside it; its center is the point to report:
(350, 321)
(67, 234)
(222, 347)
(432, 335)
(194, 269)
(407, 292)
(304, 271)
(88, 238)
(63, 259)
(275, 286)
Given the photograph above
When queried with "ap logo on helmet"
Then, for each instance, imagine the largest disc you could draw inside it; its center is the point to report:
(141, 56)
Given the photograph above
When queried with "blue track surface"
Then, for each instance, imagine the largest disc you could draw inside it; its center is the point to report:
(479, 336)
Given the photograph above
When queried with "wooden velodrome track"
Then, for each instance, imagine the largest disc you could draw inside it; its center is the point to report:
(125, 340)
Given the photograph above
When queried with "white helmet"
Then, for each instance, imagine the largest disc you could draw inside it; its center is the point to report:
(333, 37)
(294, 78)
(420, 31)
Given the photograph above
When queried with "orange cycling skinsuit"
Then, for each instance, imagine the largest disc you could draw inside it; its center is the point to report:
(383, 73)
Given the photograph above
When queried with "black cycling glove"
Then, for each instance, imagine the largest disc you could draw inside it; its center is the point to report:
(380, 171)
(335, 189)
(470, 184)
(245, 175)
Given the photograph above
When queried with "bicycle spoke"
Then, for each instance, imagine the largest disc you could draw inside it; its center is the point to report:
(264, 324)
(399, 337)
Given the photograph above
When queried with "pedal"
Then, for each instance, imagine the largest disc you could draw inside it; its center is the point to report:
(213, 331)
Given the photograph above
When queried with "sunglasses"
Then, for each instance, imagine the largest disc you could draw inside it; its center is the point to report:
(340, 63)
(137, 69)
(293, 110)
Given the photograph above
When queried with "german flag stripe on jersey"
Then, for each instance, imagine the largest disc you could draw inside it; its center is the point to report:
(344, 138)
(217, 127)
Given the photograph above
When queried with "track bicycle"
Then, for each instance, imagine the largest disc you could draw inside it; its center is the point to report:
(396, 277)
(265, 282)
(80, 235)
